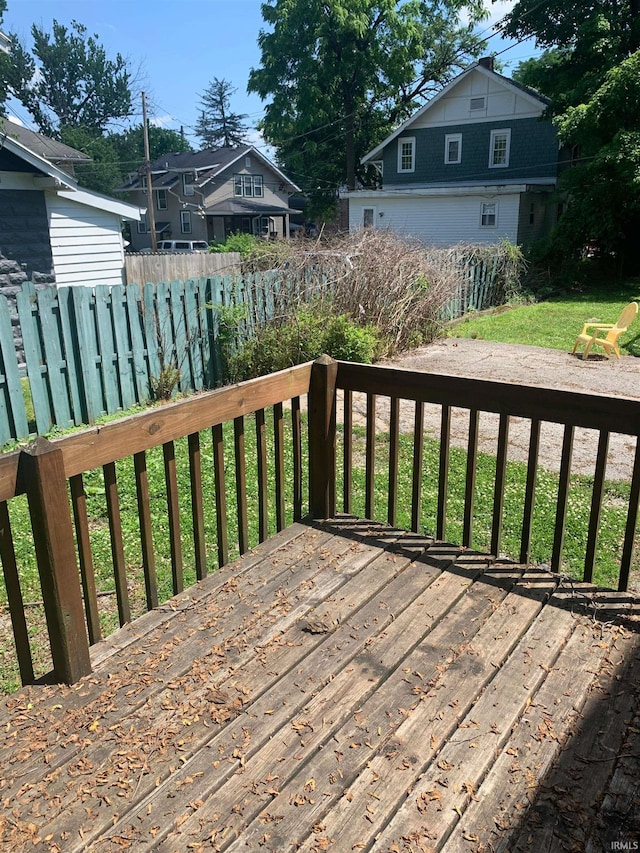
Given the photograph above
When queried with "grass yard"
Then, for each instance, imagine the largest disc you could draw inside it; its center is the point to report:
(555, 322)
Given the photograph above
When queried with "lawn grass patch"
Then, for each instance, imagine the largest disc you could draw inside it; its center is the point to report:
(612, 521)
(556, 322)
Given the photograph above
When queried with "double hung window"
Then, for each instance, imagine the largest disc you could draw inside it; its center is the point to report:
(407, 154)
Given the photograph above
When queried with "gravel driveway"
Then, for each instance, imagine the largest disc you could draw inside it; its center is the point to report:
(527, 366)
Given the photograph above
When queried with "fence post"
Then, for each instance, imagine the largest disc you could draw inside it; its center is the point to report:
(322, 438)
(42, 471)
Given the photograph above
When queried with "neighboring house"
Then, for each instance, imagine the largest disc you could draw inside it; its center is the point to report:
(54, 230)
(211, 194)
(478, 163)
(5, 43)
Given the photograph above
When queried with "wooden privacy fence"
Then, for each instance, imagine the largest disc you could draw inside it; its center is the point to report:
(60, 525)
(95, 351)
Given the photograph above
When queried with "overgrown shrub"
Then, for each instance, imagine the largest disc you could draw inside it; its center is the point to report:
(244, 244)
(292, 340)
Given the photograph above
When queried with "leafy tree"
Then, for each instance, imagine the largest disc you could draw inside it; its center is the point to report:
(70, 81)
(582, 43)
(588, 71)
(115, 155)
(341, 73)
(604, 188)
(217, 124)
(5, 66)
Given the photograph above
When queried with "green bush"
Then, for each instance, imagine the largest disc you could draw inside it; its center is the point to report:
(242, 243)
(300, 338)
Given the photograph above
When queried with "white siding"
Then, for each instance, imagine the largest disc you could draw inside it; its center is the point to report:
(502, 102)
(442, 220)
(86, 243)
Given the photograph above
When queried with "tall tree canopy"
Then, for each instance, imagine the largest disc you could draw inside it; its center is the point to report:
(68, 80)
(582, 42)
(341, 73)
(217, 124)
(5, 66)
(590, 69)
(116, 155)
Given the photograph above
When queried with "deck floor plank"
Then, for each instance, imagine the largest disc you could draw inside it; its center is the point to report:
(345, 686)
(377, 689)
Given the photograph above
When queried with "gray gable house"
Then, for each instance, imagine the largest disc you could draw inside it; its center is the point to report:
(478, 164)
(51, 230)
(210, 194)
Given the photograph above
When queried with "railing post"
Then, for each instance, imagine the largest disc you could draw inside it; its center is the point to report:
(322, 438)
(42, 472)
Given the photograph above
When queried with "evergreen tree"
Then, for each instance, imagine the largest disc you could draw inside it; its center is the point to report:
(218, 125)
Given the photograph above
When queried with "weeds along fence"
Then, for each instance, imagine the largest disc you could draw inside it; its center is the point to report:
(89, 352)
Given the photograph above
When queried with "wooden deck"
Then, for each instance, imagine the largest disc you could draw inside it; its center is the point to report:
(343, 687)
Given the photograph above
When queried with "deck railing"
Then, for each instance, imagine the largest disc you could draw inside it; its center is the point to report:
(53, 476)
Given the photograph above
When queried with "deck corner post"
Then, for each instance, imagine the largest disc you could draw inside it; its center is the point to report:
(322, 437)
(42, 471)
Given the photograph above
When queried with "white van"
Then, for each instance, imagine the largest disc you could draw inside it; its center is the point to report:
(183, 246)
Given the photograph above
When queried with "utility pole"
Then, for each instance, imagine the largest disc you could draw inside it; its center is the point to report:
(147, 165)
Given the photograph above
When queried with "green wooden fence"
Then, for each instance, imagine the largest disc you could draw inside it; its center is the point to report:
(95, 351)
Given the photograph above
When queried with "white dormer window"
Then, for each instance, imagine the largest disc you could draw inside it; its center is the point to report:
(499, 149)
(453, 148)
(407, 154)
(476, 104)
(187, 183)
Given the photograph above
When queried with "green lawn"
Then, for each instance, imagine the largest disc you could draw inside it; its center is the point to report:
(556, 322)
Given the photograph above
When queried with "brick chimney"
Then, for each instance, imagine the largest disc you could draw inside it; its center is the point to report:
(486, 62)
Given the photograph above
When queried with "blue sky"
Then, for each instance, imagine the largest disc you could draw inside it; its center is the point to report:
(179, 46)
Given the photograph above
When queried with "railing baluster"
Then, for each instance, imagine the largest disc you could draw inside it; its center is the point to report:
(263, 490)
(530, 492)
(241, 485)
(443, 472)
(563, 494)
(117, 547)
(632, 518)
(498, 493)
(596, 506)
(146, 534)
(173, 510)
(296, 440)
(418, 451)
(197, 505)
(221, 496)
(370, 474)
(394, 433)
(470, 481)
(14, 597)
(347, 459)
(87, 574)
(278, 435)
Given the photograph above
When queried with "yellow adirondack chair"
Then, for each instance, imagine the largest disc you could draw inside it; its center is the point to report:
(613, 330)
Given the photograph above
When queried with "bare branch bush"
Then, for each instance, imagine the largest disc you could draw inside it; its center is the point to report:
(402, 288)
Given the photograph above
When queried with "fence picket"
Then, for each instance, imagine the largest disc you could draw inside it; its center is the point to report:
(194, 336)
(72, 353)
(176, 289)
(139, 362)
(48, 312)
(123, 346)
(13, 419)
(107, 345)
(34, 357)
(89, 354)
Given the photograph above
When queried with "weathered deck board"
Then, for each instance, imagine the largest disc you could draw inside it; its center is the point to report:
(345, 686)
